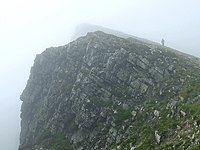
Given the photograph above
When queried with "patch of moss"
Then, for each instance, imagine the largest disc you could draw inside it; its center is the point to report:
(45, 134)
(191, 90)
(193, 108)
(196, 147)
(122, 114)
(53, 141)
(60, 143)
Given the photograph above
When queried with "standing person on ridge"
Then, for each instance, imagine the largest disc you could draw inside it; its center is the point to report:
(163, 42)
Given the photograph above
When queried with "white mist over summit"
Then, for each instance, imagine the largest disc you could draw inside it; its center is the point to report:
(29, 27)
(83, 29)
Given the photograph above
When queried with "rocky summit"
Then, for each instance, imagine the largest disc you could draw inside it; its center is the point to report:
(103, 92)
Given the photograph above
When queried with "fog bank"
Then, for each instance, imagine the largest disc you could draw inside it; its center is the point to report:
(28, 27)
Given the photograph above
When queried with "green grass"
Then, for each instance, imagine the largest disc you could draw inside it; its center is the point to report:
(53, 141)
(122, 114)
(193, 108)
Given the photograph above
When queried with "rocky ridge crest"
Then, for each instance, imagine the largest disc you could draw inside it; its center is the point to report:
(106, 92)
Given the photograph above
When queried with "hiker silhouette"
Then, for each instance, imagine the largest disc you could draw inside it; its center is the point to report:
(163, 42)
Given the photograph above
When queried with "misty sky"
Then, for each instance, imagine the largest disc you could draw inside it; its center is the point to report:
(27, 27)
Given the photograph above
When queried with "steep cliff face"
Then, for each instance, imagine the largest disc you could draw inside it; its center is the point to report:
(105, 92)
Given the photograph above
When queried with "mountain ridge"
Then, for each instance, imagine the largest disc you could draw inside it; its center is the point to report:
(83, 29)
(106, 92)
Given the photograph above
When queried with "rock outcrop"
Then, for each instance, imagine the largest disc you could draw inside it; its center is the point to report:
(106, 92)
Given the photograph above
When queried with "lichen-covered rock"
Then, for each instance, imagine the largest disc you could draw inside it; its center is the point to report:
(156, 113)
(157, 137)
